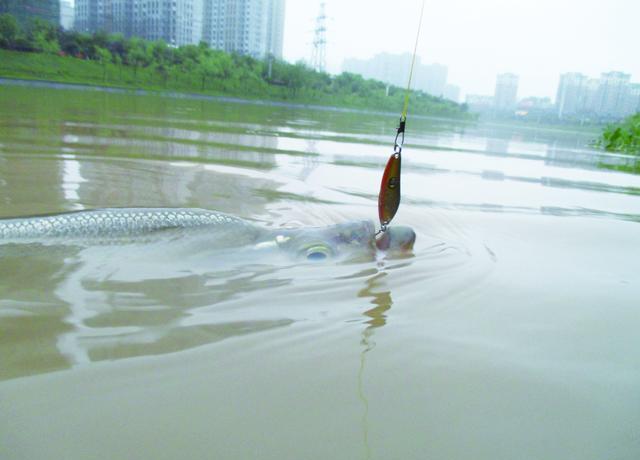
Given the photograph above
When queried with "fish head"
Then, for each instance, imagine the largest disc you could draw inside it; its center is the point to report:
(321, 243)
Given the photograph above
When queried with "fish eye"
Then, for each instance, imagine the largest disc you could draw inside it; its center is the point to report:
(317, 252)
(316, 255)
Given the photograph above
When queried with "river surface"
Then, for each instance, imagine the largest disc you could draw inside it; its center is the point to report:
(510, 332)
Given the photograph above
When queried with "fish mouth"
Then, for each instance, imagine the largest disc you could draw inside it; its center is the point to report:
(397, 239)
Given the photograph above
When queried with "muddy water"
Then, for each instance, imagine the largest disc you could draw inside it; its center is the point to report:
(509, 332)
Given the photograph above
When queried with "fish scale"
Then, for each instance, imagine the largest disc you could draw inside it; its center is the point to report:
(113, 223)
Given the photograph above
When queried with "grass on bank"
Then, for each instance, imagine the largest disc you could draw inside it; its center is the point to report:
(65, 69)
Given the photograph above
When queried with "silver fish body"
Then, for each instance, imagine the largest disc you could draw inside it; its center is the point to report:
(114, 223)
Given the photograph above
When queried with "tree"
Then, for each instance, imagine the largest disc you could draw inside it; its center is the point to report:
(137, 55)
(70, 43)
(294, 77)
(117, 45)
(100, 39)
(225, 62)
(104, 56)
(208, 68)
(186, 60)
(43, 36)
(163, 69)
(159, 56)
(159, 51)
(9, 31)
(118, 62)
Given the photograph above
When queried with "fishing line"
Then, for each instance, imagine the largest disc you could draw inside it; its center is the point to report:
(389, 196)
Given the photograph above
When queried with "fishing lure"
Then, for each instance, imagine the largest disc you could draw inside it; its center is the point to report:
(389, 196)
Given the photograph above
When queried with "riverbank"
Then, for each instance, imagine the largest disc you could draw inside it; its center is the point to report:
(15, 65)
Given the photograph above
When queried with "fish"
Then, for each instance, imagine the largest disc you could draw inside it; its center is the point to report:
(129, 225)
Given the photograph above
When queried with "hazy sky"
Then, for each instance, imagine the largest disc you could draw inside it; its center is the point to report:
(476, 39)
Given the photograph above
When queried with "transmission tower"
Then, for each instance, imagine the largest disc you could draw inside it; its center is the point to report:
(319, 54)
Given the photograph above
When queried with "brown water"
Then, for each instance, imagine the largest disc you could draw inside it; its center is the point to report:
(510, 332)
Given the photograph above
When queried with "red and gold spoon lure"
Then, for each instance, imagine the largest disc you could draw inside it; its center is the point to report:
(389, 196)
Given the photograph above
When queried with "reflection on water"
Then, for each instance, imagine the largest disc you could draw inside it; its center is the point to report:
(106, 303)
(382, 302)
(163, 309)
(515, 317)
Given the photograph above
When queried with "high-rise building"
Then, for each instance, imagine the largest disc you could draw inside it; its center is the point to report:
(389, 68)
(177, 22)
(431, 78)
(505, 96)
(26, 10)
(214, 23)
(632, 104)
(590, 96)
(252, 27)
(612, 93)
(85, 16)
(118, 17)
(275, 28)
(611, 96)
(451, 92)
(235, 26)
(570, 97)
(394, 69)
(66, 14)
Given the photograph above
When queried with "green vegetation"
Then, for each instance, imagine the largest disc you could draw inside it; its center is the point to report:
(623, 138)
(44, 52)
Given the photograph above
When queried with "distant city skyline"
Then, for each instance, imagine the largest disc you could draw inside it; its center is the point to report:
(536, 39)
(612, 96)
(250, 27)
(394, 69)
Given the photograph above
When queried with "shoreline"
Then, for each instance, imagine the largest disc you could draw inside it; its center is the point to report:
(38, 83)
(52, 84)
